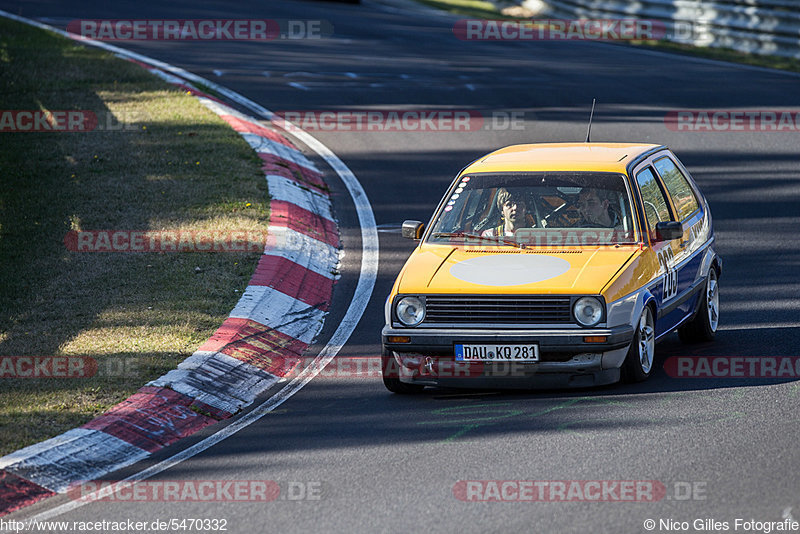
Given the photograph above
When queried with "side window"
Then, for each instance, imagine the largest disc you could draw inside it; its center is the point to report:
(682, 196)
(655, 204)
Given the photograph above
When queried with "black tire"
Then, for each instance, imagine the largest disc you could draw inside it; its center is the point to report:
(391, 379)
(640, 361)
(703, 325)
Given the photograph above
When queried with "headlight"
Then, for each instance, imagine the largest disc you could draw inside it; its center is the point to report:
(588, 311)
(410, 310)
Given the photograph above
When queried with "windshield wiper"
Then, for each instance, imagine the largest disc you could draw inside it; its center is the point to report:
(494, 239)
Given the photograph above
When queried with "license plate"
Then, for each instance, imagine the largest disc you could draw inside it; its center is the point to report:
(497, 353)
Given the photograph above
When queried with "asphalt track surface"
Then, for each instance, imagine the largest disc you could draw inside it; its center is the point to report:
(389, 463)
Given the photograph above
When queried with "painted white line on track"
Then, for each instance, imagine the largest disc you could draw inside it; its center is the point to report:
(361, 296)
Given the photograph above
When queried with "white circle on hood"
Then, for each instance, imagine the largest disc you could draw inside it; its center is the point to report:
(509, 270)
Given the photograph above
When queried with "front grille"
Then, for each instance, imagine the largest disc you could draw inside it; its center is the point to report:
(518, 310)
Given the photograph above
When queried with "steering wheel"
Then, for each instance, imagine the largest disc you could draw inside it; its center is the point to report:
(559, 211)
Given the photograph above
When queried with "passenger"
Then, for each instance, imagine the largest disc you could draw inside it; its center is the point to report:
(514, 214)
(595, 210)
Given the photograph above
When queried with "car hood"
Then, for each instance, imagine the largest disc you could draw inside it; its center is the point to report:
(445, 269)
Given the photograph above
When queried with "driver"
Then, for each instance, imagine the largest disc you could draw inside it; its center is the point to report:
(595, 210)
(514, 213)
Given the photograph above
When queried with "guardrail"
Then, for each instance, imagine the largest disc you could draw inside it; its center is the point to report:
(767, 27)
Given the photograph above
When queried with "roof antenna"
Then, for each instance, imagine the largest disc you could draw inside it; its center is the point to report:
(589, 130)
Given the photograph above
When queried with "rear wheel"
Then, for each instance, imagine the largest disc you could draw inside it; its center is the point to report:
(639, 362)
(391, 374)
(703, 326)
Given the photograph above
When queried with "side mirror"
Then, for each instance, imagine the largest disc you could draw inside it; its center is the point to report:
(413, 229)
(668, 230)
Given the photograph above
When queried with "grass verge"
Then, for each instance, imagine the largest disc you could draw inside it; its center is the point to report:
(487, 10)
(159, 160)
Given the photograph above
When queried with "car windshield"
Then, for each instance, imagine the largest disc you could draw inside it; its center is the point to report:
(537, 209)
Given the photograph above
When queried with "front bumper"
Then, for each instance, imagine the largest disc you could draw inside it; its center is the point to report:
(566, 360)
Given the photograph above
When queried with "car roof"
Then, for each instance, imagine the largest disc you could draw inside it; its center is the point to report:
(598, 157)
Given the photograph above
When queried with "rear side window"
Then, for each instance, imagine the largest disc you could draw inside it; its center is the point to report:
(678, 186)
(655, 204)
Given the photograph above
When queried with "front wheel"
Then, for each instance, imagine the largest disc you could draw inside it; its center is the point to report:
(639, 362)
(703, 326)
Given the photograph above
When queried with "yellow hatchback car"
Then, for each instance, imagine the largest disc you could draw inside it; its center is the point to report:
(553, 265)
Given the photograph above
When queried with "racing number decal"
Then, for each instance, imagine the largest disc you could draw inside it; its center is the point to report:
(666, 259)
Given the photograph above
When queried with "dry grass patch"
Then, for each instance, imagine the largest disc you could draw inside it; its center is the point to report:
(159, 160)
